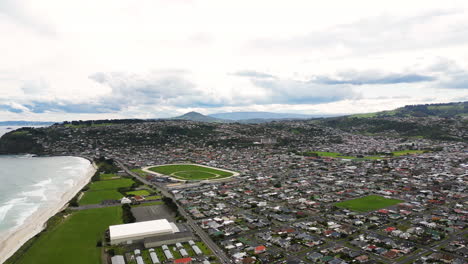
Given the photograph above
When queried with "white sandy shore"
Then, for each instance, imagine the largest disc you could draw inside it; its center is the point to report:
(36, 222)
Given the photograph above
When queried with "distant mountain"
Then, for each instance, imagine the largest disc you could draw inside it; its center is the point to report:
(25, 123)
(440, 110)
(194, 116)
(259, 115)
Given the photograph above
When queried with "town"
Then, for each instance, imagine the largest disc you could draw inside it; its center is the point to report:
(302, 192)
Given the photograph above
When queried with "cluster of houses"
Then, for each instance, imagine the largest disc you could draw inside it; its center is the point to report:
(285, 200)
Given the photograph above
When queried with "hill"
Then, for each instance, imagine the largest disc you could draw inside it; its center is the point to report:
(427, 110)
(194, 116)
(434, 121)
(259, 115)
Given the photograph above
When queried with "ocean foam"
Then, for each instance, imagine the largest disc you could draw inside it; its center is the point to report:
(4, 210)
(25, 213)
(43, 183)
(31, 184)
(36, 193)
(6, 207)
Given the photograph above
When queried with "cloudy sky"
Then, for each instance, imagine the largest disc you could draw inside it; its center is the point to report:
(68, 60)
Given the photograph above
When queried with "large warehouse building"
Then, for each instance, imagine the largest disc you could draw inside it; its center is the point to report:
(138, 232)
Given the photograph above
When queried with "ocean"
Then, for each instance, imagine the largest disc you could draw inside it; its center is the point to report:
(29, 184)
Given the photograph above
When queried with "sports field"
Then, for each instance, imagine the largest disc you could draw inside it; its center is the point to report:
(105, 190)
(191, 172)
(368, 203)
(74, 240)
(407, 152)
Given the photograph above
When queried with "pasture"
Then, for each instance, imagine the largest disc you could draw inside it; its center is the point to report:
(104, 190)
(368, 203)
(74, 239)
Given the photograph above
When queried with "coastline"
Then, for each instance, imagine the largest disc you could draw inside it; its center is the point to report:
(35, 223)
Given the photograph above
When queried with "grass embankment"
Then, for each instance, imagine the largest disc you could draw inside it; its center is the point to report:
(72, 240)
(105, 190)
(139, 192)
(368, 203)
(87, 125)
(337, 155)
(341, 156)
(140, 172)
(191, 172)
(108, 176)
(407, 152)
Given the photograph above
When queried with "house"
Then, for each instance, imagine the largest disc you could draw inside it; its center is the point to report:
(183, 261)
(260, 249)
(390, 254)
(362, 258)
(314, 256)
(138, 198)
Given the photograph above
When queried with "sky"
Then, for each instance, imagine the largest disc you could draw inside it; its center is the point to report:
(72, 60)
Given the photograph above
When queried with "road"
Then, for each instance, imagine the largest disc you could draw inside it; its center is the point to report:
(93, 206)
(198, 230)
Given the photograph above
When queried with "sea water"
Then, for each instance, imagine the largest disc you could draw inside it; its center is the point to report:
(29, 183)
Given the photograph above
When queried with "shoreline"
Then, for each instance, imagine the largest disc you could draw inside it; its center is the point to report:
(36, 222)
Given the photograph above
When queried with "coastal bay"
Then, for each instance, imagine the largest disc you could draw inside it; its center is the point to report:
(34, 189)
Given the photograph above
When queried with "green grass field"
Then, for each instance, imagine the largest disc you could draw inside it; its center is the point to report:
(406, 152)
(368, 203)
(139, 172)
(110, 176)
(153, 197)
(190, 172)
(74, 240)
(104, 190)
(341, 156)
(139, 192)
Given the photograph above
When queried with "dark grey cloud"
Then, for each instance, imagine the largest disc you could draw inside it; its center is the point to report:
(360, 79)
(140, 88)
(452, 76)
(253, 74)
(458, 81)
(70, 107)
(290, 91)
(9, 108)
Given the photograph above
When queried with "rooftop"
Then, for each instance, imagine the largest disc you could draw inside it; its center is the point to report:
(154, 227)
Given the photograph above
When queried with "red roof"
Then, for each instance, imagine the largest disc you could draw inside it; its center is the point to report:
(138, 197)
(390, 229)
(383, 211)
(260, 249)
(183, 260)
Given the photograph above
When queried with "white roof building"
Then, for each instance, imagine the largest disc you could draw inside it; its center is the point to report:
(128, 233)
(118, 259)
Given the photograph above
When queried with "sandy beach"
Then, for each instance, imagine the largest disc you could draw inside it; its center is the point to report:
(36, 222)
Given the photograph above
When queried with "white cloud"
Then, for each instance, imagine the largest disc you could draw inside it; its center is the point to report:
(312, 55)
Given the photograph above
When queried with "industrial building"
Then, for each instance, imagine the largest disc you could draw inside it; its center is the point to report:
(160, 230)
(183, 235)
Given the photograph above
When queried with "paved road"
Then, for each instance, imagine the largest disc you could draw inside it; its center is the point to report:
(93, 206)
(200, 232)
